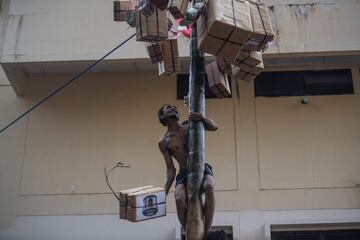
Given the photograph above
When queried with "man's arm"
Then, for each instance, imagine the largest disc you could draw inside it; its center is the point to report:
(209, 124)
(170, 168)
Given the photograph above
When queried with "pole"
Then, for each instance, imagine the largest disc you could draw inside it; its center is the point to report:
(195, 215)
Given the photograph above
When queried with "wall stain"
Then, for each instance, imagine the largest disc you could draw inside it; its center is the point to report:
(274, 22)
(18, 31)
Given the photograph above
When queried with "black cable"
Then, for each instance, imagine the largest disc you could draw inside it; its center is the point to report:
(66, 84)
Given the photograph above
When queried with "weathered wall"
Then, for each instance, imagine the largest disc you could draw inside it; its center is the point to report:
(105, 118)
(51, 163)
(81, 30)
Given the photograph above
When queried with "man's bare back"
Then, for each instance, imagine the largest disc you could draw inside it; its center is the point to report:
(174, 144)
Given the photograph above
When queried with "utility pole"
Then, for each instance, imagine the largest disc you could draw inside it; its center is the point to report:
(195, 215)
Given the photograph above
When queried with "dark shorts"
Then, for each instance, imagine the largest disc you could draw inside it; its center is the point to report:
(181, 178)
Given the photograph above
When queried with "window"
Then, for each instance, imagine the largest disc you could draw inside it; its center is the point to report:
(348, 234)
(226, 230)
(304, 83)
(183, 87)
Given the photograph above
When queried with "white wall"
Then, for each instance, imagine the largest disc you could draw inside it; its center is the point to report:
(247, 225)
(81, 30)
(3, 77)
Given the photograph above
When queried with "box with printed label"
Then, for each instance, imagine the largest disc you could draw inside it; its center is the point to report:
(123, 199)
(146, 204)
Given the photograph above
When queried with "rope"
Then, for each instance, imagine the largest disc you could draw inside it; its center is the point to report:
(107, 174)
(66, 84)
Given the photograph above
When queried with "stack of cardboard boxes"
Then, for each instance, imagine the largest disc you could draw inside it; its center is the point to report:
(235, 31)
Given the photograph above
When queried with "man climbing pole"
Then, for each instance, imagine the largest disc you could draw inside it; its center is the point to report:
(174, 145)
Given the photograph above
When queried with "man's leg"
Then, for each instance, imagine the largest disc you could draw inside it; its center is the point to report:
(209, 204)
(181, 204)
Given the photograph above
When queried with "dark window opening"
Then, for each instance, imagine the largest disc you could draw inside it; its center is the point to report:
(183, 87)
(226, 230)
(304, 83)
(348, 234)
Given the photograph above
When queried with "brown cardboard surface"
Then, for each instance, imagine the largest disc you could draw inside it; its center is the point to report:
(170, 64)
(123, 199)
(155, 52)
(153, 28)
(225, 29)
(178, 8)
(224, 65)
(262, 27)
(161, 4)
(248, 75)
(120, 10)
(247, 60)
(218, 82)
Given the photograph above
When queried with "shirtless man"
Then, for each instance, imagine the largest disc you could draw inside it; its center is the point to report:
(173, 144)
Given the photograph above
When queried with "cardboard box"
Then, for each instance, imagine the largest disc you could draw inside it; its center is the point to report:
(226, 28)
(248, 75)
(160, 4)
(146, 204)
(170, 64)
(224, 65)
(247, 60)
(263, 32)
(178, 8)
(121, 10)
(155, 52)
(123, 199)
(153, 28)
(218, 81)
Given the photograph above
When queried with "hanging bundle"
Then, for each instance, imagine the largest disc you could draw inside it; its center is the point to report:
(146, 7)
(225, 29)
(218, 81)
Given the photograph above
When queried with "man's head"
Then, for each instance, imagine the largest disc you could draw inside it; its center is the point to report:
(167, 111)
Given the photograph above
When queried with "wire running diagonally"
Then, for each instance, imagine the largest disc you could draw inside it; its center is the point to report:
(77, 76)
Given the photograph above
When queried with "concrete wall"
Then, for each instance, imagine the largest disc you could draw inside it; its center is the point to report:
(270, 156)
(68, 30)
(252, 225)
(52, 161)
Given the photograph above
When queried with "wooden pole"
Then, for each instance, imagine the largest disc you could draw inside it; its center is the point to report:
(195, 215)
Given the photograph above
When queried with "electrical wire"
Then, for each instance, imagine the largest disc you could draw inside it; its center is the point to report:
(77, 76)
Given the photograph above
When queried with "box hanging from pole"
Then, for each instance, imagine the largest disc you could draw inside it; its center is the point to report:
(160, 4)
(153, 28)
(226, 28)
(143, 203)
(218, 81)
(121, 9)
(224, 65)
(170, 63)
(178, 8)
(247, 60)
(123, 199)
(155, 52)
(263, 32)
(248, 74)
